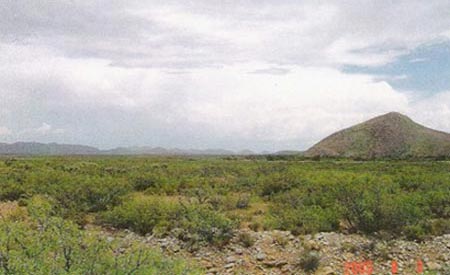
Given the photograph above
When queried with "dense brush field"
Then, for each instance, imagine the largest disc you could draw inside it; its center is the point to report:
(48, 202)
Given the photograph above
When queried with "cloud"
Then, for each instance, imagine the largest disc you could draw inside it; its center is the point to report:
(272, 70)
(44, 130)
(180, 34)
(207, 107)
(4, 131)
(263, 75)
(418, 60)
(433, 111)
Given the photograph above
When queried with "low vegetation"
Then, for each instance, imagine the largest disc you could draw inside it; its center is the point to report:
(34, 241)
(202, 201)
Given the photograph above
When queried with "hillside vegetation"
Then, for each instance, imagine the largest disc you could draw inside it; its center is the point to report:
(388, 136)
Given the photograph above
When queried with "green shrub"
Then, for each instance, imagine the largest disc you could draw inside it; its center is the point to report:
(309, 261)
(274, 184)
(243, 201)
(11, 191)
(255, 226)
(46, 244)
(143, 182)
(280, 239)
(144, 214)
(416, 232)
(303, 219)
(246, 239)
(210, 226)
(440, 227)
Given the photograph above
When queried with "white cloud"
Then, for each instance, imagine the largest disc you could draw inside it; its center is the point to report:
(292, 109)
(418, 60)
(44, 129)
(433, 111)
(4, 131)
(259, 75)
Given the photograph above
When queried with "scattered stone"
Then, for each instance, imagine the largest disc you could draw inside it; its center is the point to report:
(260, 256)
(175, 248)
(230, 259)
(238, 251)
(275, 263)
(229, 266)
(328, 270)
(265, 257)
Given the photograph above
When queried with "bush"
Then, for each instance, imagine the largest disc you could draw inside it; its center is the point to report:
(145, 214)
(371, 207)
(415, 232)
(309, 261)
(44, 244)
(243, 201)
(210, 226)
(11, 191)
(304, 219)
(143, 182)
(246, 239)
(280, 239)
(255, 226)
(274, 184)
(440, 227)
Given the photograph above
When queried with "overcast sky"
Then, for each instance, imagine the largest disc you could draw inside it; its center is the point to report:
(250, 74)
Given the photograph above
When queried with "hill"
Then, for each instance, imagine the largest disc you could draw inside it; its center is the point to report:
(35, 148)
(392, 135)
(165, 152)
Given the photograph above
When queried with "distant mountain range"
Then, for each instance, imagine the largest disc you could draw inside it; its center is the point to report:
(392, 135)
(174, 151)
(35, 148)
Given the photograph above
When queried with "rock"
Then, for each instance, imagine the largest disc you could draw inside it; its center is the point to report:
(230, 259)
(434, 266)
(238, 251)
(326, 271)
(260, 256)
(229, 266)
(175, 248)
(208, 265)
(275, 263)
(313, 245)
(348, 256)
(287, 269)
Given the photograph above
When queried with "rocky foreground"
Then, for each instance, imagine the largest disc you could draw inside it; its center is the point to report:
(279, 252)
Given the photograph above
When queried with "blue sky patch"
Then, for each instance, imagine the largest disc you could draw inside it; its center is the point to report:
(425, 70)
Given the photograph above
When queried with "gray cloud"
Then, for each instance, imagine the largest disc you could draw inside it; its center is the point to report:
(179, 34)
(248, 74)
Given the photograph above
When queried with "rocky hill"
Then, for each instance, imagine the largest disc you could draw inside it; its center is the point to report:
(392, 135)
